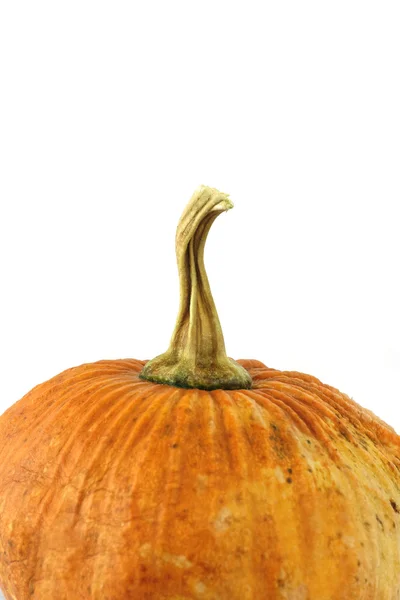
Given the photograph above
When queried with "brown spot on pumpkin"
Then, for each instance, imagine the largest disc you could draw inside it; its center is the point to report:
(380, 522)
(289, 480)
(183, 514)
(344, 434)
(363, 442)
(394, 506)
(267, 518)
(290, 471)
(174, 445)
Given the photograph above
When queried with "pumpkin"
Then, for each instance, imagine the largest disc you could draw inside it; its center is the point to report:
(193, 476)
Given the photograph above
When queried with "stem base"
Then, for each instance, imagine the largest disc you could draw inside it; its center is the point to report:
(227, 374)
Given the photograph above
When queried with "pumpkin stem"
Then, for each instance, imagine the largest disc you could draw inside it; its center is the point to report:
(196, 357)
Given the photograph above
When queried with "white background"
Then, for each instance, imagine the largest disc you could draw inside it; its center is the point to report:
(112, 113)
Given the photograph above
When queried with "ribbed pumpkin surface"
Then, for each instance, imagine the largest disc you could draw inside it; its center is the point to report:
(289, 490)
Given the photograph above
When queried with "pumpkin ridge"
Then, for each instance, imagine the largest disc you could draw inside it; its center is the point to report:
(317, 422)
(287, 405)
(342, 405)
(116, 428)
(64, 458)
(125, 488)
(172, 475)
(148, 425)
(40, 415)
(241, 446)
(233, 435)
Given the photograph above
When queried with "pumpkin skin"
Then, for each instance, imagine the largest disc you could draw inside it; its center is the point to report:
(112, 488)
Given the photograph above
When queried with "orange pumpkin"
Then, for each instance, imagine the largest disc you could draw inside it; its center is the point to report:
(193, 476)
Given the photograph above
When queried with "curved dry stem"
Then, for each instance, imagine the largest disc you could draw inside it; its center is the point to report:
(196, 357)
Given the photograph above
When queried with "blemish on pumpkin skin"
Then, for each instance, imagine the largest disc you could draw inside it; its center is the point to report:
(380, 522)
(224, 519)
(348, 541)
(202, 482)
(239, 551)
(279, 475)
(199, 587)
(183, 514)
(178, 560)
(298, 593)
(145, 550)
(167, 429)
